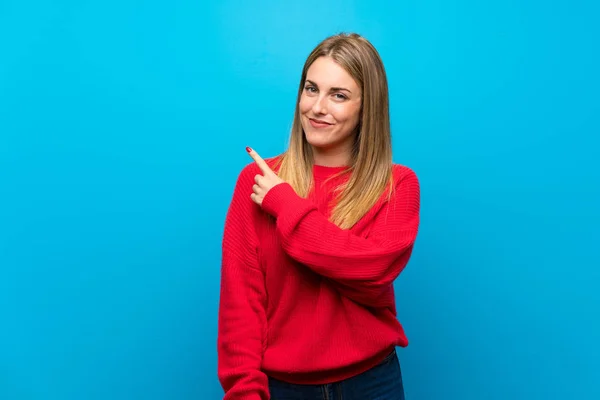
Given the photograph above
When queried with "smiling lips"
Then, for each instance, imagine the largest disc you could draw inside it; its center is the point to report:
(315, 123)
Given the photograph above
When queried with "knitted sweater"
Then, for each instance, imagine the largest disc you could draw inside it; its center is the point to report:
(301, 299)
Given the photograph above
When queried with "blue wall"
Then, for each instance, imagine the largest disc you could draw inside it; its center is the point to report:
(122, 130)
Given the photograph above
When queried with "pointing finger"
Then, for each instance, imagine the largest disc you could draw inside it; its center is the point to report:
(259, 161)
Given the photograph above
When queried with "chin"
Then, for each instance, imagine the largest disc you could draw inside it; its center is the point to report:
(316, 140)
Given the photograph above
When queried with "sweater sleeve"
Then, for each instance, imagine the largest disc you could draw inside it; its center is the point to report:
(363, 268)
(242, 315)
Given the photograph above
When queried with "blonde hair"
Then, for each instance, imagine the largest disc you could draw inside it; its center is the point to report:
(371, 158)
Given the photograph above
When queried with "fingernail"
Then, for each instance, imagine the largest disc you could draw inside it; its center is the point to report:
(248, 149)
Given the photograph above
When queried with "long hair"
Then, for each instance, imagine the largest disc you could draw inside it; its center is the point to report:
(371, 157)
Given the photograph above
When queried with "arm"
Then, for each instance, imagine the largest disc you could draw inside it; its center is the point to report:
(242, 319)
(361, 268)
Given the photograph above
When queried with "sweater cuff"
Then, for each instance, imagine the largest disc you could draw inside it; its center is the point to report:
(282, 198)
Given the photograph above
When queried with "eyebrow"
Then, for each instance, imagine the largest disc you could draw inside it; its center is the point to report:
(333, 89)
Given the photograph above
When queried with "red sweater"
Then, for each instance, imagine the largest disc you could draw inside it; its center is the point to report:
(301, 299)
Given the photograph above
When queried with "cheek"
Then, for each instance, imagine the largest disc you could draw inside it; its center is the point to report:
(346, 113)
(305, 105)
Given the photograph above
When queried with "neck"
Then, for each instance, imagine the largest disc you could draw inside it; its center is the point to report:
(331, 158)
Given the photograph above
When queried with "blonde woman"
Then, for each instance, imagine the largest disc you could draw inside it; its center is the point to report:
(313, 242)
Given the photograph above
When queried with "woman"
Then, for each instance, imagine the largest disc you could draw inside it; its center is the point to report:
(313, 242)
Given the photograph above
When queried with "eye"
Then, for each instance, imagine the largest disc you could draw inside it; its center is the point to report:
(310, 89)
(339, 96)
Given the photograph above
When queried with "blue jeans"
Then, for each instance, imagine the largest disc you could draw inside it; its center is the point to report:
(382, 382)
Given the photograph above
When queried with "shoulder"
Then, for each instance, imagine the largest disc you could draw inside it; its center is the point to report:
(406, 188)
(403, 175)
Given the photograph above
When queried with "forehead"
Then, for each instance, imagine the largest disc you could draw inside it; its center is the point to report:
(324, 71)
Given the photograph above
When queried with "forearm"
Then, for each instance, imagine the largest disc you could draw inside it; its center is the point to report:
(311, 239)
(241, 335)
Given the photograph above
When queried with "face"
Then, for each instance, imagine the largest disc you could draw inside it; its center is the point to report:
(330, 107)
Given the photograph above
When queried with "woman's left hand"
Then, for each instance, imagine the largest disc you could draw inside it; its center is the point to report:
(264, 181)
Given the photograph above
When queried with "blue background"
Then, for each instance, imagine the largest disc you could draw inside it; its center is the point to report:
(122, 130)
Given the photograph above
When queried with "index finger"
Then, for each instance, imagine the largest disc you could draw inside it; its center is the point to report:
(262, 164)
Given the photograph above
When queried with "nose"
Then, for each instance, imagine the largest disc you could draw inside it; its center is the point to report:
(320, 105)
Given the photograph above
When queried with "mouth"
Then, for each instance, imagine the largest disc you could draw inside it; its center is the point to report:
(317, 123)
